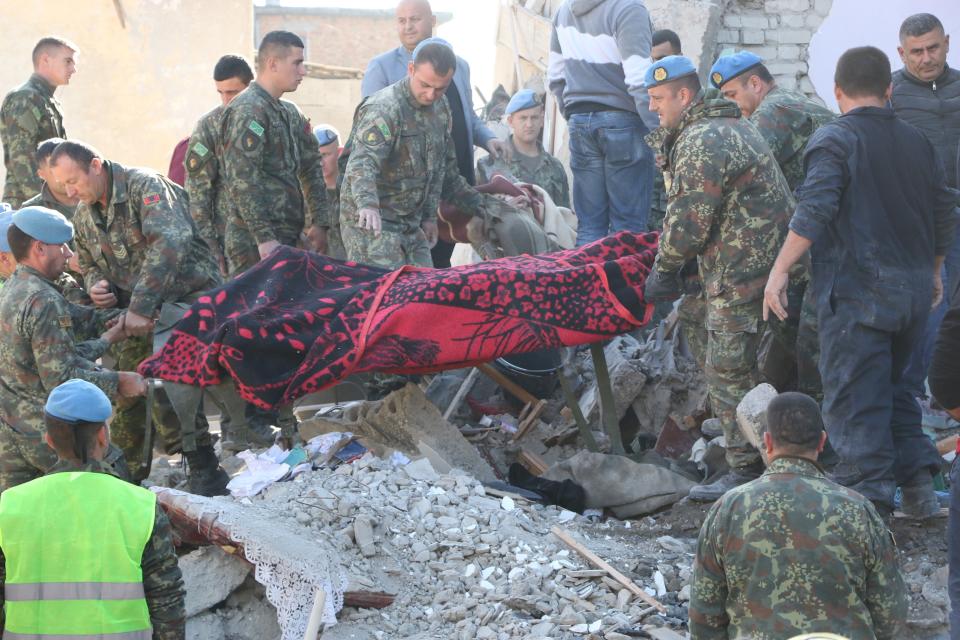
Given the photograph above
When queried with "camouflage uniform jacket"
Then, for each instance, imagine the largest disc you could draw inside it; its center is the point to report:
(549, 174)
(793, 553)
(728, 205)
(271, 162)
(204, 184)
(403, 161)
(143, 242)
(46, 199)
(29, 115)
(162, 580)
(42, 345)
(786, 120)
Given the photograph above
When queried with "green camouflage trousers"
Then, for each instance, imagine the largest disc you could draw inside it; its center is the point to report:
(398, 244)
(692, 314)
(240, 247)
(127, 427)
(731, 372)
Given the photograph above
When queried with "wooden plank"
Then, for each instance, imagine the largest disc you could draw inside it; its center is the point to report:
(461, 393)
(367, 599)
(530, 420)
(600, 563)
(532, 462)
(521, 394)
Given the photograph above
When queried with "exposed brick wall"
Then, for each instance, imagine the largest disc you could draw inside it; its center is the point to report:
(343, 41)
(779, 31)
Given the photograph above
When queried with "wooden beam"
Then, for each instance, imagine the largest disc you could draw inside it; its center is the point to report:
(516, 390)
(600, 563)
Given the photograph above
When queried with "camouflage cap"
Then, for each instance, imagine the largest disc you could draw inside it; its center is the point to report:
(669, 69)
(727, 68)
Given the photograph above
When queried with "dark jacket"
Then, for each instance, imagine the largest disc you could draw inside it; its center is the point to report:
(934, 108)
(876, 204)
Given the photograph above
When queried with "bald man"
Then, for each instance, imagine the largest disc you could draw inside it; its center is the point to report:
(415, 23)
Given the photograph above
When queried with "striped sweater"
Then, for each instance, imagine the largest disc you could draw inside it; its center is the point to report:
(599, 53)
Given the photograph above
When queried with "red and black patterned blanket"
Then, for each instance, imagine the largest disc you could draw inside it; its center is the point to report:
(299, 322)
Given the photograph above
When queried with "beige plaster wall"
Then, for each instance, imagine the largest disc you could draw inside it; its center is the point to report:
(140, 87)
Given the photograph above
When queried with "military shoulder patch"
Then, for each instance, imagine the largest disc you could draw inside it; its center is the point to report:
(65, 322)
(200, 149)
(36, 113)
(377, 134)
(256, 127)
(151, 198)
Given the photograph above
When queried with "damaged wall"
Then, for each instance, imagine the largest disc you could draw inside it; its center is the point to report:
(145, 70)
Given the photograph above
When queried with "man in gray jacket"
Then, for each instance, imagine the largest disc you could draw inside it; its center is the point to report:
(926, 93)
(599, 53)
(415, 23)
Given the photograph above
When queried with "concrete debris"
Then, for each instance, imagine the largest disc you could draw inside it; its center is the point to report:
(210, 576)
(627, 378)
(752, 413)
(244, 615)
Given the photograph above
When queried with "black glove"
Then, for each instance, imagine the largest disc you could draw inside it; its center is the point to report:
(662, 287)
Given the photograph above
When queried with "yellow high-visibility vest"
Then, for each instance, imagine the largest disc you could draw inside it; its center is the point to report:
(73, 543)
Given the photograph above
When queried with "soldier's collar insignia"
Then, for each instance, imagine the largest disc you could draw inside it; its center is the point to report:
(717, 78)
(660, 74)
(200, 149)
(256, 127)
(151, 198)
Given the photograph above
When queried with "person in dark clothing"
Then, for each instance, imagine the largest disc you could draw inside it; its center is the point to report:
(926, 93)
(877, 215)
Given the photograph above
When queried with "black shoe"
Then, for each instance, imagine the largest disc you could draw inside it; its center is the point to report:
(919, 498)
(205, 477)
(731, 479)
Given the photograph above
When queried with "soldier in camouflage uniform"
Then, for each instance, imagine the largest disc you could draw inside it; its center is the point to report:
(793, 552)
(528, 162)
(30, 115)
(69, 413)
(401, 163)
(786, 120)
(138, 249)
(204, 183)
(44, 341)
(329, 140)
(729, 206)
(52, 194)
(271, 163)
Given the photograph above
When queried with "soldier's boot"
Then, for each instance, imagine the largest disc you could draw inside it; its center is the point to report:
(730, 480)
(919, 498)
(205, 477)
(712, 427)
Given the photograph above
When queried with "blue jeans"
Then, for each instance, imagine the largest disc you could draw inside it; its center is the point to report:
(612, 173)
(953, 543)
(916, 372)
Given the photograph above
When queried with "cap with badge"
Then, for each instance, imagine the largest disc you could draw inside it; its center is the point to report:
(433, 40)
(523, 99)
(46, 225)
(669, 69)
(726, 68)
(326, 134)
(6, 216)
(78, 401)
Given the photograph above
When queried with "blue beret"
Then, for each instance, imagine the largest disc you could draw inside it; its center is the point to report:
(6, 216)
(424, 43)
(325, 134)
(78, 401)
(727, 68)
(669, 69)
(45, 225)
(523, 99)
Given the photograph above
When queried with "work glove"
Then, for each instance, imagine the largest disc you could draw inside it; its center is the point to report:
(663, 287)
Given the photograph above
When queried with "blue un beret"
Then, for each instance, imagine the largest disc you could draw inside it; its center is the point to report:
(45, 225)
(433, 40)
(6, 216)
(523, 99)
(325, 134)
(78, 401)
(727, 68)
(668, 69)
